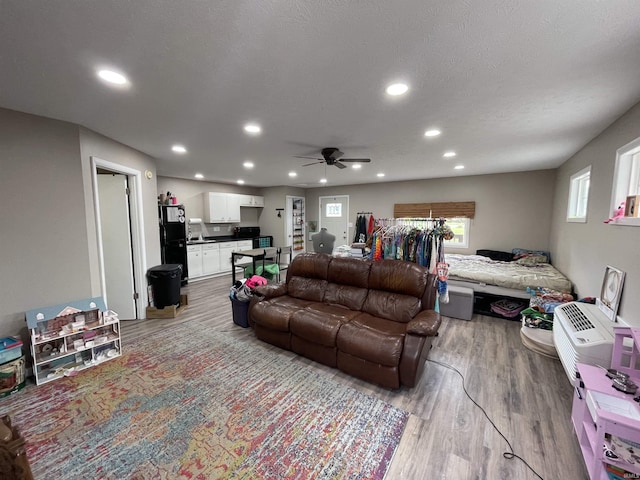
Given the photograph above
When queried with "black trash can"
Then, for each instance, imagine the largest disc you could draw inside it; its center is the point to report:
(240, 311)
(165, 284)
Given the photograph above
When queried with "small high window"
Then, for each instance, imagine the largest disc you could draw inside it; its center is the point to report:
(626, 181)
(579, 196)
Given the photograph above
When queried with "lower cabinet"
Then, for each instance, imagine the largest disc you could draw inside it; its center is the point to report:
(194, 261)
(210, 258)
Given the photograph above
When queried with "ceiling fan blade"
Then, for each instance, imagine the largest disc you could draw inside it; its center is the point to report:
(339, 165)
(310, 158)
(359, 160)
(314, 163)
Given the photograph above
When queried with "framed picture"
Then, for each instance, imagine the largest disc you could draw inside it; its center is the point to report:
(313, 226)
(631, 206)
(611, 292)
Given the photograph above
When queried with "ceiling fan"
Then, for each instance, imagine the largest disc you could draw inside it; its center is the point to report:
(331, 156)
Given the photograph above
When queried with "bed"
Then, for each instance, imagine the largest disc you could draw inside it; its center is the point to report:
(504, 278)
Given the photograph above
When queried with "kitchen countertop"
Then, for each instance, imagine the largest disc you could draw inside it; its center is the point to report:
(227, 238)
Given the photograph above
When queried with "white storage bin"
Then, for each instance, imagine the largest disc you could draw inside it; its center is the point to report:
(460, 303)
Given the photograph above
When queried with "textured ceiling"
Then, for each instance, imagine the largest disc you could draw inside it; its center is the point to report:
(514, 85)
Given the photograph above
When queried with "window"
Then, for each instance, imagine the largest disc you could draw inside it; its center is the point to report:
(460, 227)
(334, 210)
(579, 196)
(626, 179)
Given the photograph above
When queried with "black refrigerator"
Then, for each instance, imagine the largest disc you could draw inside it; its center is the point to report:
(173, 236)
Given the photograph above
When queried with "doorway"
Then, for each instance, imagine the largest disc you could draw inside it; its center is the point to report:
(334, 216)
(118, 202)
(295, 224)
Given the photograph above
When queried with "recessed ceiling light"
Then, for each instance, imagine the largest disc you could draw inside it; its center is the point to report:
(199, 175)
(381, 174)
(113, 77)
(432, 133)
(293, 174)
(397, 89)
(248, 164)
(252, 128)
(356, 166)
(179, 149)
(459, 167)
(240, 182)
(449, 154)
(323, 180)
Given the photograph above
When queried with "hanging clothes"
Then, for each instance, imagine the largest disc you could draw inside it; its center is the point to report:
(413, 240)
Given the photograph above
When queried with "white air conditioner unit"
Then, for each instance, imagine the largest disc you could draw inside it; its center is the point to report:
(582, 333)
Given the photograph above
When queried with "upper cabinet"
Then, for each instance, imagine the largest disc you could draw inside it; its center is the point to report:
(221, 207)
(251, 200)
(225, 207)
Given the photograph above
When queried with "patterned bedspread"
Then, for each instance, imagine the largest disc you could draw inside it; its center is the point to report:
(505, 274)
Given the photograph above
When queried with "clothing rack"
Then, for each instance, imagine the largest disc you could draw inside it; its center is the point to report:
(416, 222)
(364, 213)
(418, 240)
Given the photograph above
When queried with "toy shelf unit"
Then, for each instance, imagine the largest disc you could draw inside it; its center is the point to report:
(71, 337)
(607, 419)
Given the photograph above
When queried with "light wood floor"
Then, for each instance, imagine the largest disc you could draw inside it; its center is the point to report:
(528, 396)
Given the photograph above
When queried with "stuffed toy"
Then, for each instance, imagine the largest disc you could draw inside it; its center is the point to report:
(619, 213)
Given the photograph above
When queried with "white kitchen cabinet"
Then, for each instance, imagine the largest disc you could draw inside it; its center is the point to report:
(221, 207)
(225, 255)
(251, 201)
(210, 258)
(194, 261)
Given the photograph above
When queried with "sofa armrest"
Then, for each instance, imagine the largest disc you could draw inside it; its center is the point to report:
(270, 291)
(425, 324)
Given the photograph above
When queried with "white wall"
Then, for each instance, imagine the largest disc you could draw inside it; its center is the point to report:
(583, 250)
(44, 257)
(48, 238)
(270, 223)
(189, 193)
(93, 144)
(512, 210)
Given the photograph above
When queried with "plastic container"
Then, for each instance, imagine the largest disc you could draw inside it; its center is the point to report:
(165, 284)
(10, 349)
(240, 311)
(12, 376)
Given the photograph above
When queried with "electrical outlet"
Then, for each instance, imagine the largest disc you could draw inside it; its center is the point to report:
(216, 229)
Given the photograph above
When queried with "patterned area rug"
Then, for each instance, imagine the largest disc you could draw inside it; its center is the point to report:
(204, 406)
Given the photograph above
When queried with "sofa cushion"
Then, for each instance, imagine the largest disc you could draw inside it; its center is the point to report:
(316, 327)
(272, 315)
(372, 338)
(399, 277)
(307, 288)
(349, 271)
(309, 265)
(345, 295)
(392, 306)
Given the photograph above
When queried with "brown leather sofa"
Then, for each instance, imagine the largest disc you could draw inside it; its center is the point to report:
(371, 319)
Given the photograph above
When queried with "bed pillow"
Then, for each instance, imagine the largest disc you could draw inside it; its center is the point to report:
(532, 259)
(496, 255)
(540, 256)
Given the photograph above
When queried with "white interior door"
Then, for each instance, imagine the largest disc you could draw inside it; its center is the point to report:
(116, 244)
(334, 216)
